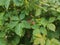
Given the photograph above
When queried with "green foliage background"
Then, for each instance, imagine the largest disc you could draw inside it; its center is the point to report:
(29, 22)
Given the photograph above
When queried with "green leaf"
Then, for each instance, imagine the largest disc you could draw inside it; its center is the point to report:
(51, 27)
(22, 15)
(58, 17)
(18, 2)
(38, 12)
(54, 42)
(58, 9)
(35, 26)
(2, 34)
(48, 42)
(36, 31)
(1, 15)
(1, 18)
(1, 22)
(12, 24)
(36, 41)
(43, 21)
(14, 18)
(50, 1)
(43, 30)
(26, 24)
(19, 30)
(52, 19)
(3, 41)
(7, 3)
(2, 2)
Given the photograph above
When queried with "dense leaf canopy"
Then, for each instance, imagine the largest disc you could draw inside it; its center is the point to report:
(29, 22)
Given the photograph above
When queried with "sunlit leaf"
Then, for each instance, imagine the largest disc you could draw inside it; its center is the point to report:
(51, 26)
